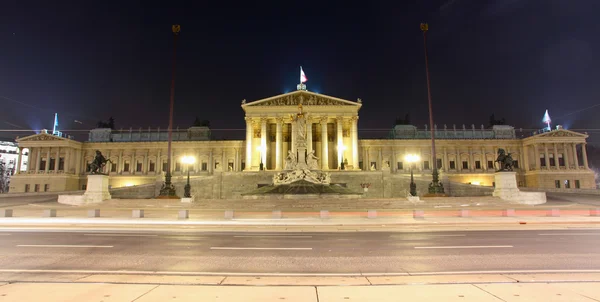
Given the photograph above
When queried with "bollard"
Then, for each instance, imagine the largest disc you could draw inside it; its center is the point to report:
(183, 214)
(324, 214)
(276, 214)
(94, 213)
(137, 214)
(229, 214)
(463, 213)
(553, 213)
(372, 214)
(6, 213)
(49, 213)
(418, 214)
(508, 213)
(595, 212)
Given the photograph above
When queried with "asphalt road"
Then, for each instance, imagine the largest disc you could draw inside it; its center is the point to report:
(301, 252)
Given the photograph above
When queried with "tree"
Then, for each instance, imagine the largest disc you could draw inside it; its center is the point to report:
(405, 121)
(494, 121)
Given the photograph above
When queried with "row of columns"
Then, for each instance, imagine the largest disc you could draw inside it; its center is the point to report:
(279, 156)
(35, 155)
(569, 152)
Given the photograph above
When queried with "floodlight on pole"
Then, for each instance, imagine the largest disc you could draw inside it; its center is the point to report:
(188, 160)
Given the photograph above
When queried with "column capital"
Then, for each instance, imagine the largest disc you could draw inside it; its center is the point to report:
(279, 120)
(354, 118)
(323, 119)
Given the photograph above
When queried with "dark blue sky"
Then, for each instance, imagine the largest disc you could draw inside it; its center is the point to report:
(90, 60)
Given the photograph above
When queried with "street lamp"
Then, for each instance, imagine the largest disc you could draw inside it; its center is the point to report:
(261, 149)
(188, 160)
(341, 149)
(412, 159)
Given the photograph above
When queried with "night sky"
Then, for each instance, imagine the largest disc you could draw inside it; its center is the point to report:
(91, 60)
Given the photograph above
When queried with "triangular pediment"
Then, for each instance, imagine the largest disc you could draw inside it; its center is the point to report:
(306, 98)
(40, 137)
(562, 133)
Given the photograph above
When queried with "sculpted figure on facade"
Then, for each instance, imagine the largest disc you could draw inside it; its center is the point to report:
(290, 161)
(312, 161)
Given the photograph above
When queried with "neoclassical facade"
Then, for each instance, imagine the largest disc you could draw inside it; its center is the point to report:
(555, 159)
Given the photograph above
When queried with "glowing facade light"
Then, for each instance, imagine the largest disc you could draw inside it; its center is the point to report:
(412, 158)
(188, 160)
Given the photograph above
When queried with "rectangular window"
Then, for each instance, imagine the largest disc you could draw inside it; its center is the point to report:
(164, 167)
(52, 164)
(465, 165)
(552, 162)
(439, 163)
(426, 165)
(243, 166)
(400, 166)
(490, 164)
(360, 165)
(204, 166)
(452, 165)
(557, 184)
(577, 184)
(46, 187)
(151, 167)
(126, 166)
(26, 188)
(138, 167)
(36, 188)
(561, 160)
(113, 167)
(567, 184)
(61, 164)
(477, 164)
(43, 165)
(542, 161)
(516, 164)
(230, 166)
(177, 166)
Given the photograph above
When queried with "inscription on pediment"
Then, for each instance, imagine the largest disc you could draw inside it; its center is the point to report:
(294, 100)
(41, 137)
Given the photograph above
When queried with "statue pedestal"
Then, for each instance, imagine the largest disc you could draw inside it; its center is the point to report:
(506, 188)
(96, 192)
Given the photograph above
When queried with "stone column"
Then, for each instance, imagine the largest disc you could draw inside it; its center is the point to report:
(57, 160)
(354, 135)
(340, 140)
(380, 160)
(120, 163)
(484, 166)
(78, 156)
(47, 161)
(471, 160)
(263, 142)
(584, 155)
(445, 164)
(324, 142)
(145, 164)
(18, 169)
(309, 139)
(526, 158)
(366, 161)
(536, 156)
(67, 160)
(575, 159)
(458, 160)
(133, 165)
(278, 143)
(566, 156)
(394, 163)
(556, 163)
(211, 164)
(158, 167)
(546, 156)
(293, 134)
(38, 160)
(249, 136)
(236, 163)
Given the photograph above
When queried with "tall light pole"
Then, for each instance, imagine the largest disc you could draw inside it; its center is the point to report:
(168, 190)
(261, 149)
(412, 159)
(435, 187)
(188, 160)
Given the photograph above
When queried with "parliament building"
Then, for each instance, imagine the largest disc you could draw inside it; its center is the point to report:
(549, 160)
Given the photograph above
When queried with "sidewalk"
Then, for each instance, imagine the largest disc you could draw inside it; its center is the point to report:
(483, 292)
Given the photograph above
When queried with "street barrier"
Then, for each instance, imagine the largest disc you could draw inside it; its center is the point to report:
(463, 213)
(372, 214)
(508, 213)
(418, 214)
(553, 213)
(276, 214)
(94, 213)
(6, 213)
(183, 214)
(229, 214)
(324, 214)
(137, 214)
(49, 213)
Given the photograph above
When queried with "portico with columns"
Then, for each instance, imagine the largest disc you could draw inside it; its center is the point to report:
(332, 133)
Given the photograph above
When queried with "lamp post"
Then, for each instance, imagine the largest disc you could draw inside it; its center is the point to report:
(261, 149)
(168, 190)
(188, 160)
(341, 149)
(435, 187)
(412, 159)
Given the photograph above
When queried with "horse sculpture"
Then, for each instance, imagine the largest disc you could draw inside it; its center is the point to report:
(505, 160)
(98, 164)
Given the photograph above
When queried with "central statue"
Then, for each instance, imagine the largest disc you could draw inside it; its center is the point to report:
(301, 165)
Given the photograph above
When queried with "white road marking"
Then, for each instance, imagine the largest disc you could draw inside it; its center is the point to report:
(272, 236)
(463, 247)
(262, 248)
(570, 234)
(122, 235)
(63, 245)
(429, 235)
(4, 234)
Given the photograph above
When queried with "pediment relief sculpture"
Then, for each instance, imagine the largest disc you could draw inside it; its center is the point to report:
(561, 133)
(308, 100)
(41, 137)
